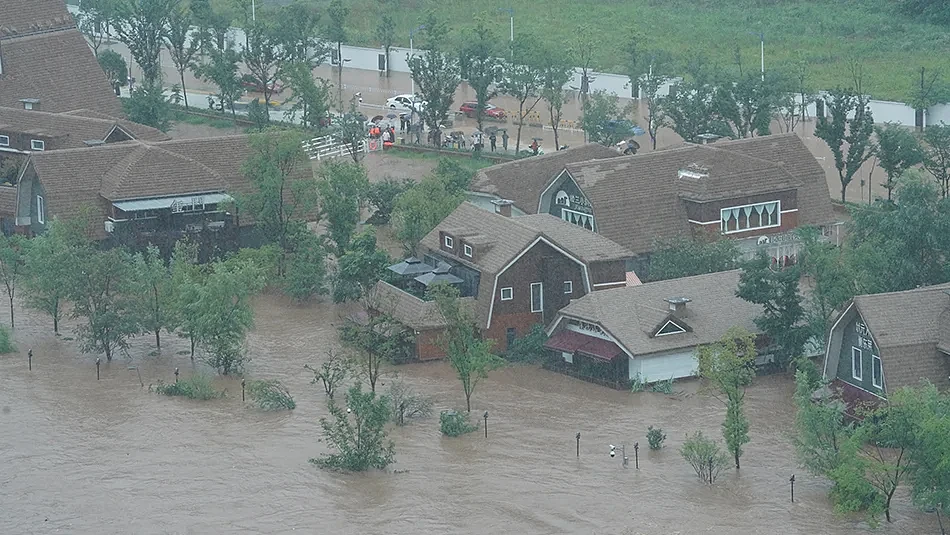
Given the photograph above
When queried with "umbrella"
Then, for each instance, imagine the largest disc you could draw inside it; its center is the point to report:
(391, 116)
(377, 118)
(439, 275)
(491, 129)
(537, 139)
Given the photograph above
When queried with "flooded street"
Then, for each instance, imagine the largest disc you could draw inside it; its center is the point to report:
(81, 456)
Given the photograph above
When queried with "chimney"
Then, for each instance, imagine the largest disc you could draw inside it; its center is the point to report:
(30, 103)
(678, 306)
(503, 206)
(707, 138)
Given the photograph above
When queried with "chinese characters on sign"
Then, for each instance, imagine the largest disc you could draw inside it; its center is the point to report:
(864, 341)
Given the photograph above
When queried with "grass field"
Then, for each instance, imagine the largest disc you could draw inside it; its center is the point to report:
(823, 33)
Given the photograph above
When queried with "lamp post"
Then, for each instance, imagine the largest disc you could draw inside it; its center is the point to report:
(761, 52)
(411, 79)
(486, 424)
(511, 20)
(253, 11)
(623, 453)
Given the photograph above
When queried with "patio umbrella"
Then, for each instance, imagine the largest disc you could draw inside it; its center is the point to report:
(439, 275)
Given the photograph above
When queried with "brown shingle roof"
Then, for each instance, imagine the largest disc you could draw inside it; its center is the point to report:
(7, 201)
(637, 199)
(908, 327)
(71, 131)
(523, 180)
(632, 314)
(56, 67)
(138, 131)
(21, 17)
(407, 308)
(504, 238)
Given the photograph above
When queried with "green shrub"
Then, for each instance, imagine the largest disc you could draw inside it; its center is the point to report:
(637, 384)
(271, 395)
(455, 424)
(655, 437)
(705, 456)
(6, 341)
(530, 347)
(663, 387)
(195, 387)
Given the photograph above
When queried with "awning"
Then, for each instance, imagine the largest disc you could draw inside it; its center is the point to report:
(166, 202)
(570, 342)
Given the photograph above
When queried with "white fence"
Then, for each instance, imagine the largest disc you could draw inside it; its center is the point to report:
(325, 147)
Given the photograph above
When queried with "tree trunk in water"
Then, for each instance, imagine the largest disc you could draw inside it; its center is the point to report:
(158, 340)
(184, 94)
(557, 145)
(737, 459)
(108, 353)
(11, 312)
(192, 339)
(887, 504)
(468, 402)
(844, 188)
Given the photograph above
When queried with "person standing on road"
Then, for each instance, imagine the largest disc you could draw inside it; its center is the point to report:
(504, 140)
(491, 141)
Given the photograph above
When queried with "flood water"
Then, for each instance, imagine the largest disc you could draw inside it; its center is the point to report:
(84, 456)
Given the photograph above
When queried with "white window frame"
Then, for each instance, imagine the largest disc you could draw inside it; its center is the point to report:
(34, 143)
(467, 250)
(4, 141)
(877, 378)
(723, 227)
(540, 296)
(449, 242)
(860, 367)
(41, 209)
(568, 287)
(510, 291)
(565, 215)
(679, 328)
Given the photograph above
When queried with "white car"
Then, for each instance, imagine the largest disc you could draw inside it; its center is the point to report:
(405, 102)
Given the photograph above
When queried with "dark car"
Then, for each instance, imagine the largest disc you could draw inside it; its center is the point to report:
(491, 110)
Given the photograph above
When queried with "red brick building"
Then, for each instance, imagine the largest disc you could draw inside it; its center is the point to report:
(517, 272)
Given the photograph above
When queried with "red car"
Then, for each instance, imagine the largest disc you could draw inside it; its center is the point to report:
(491, 110)
(252, 85)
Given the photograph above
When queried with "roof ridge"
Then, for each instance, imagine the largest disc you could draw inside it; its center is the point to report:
(210, 171)
(121, 169)
(931, 288)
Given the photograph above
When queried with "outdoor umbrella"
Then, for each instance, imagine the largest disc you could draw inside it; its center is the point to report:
(377, 118)
(411, 266)
(391, 116)
(439, 275)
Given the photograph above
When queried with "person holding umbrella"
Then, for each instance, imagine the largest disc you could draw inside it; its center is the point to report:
(504, 140)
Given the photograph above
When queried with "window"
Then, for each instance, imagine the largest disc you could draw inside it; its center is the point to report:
(568, 287)
(670, 328)
(27, 105)
(750, 216)
(510, 335)
(467, 249)
(537, 300)
(4, 141)
(877, 372)
(568, 357)
(37, 144)
(857, 367)
(40, 209)
(449, 242)
(507, 294)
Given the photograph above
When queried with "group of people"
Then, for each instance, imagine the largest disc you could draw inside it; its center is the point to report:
(386, 134)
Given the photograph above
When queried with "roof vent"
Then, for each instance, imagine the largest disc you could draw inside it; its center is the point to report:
(503, 206)
(694, 171)
(707, 138)
(94, 142)
(678, 306)
(30, 103)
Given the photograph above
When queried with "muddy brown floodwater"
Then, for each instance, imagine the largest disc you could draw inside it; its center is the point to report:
(81, 456)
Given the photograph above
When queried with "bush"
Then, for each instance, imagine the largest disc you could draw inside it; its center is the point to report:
(195, 387)
(265, 258)
(705, 456)
(226, 356)
(663, 387)
(6, 341)
(357, 433)
(637, 384)
(655, 437)
(406, 404)
(455, 424)
(271, 395)
(530, 347)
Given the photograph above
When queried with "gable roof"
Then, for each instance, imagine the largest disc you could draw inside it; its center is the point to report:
(501, 239)
(46, 57)
(70, 130)
(93, 176)
(908, 327)
(406, 308)
(633, 314)
(138, 131)
(523, 180)
(639, 198)
(7, 201)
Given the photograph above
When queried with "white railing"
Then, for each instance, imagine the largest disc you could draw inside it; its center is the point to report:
(323, 147)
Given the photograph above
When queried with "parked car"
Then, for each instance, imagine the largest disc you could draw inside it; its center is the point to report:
(251, 84)
(406, 102)
(491, 110)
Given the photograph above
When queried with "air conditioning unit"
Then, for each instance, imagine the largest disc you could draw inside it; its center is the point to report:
(110, 226)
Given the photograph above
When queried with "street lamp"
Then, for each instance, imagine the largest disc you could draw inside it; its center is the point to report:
(253, 11)
(511, 19)
(761, 52)
(411, 33)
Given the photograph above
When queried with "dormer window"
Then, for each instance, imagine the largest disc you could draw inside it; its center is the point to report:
(467, 250)
(4, 141)
(751, 217)
(37, 144)
(670, 327)
(449, 242)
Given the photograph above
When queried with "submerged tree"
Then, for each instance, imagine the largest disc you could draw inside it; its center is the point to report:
(936, 146)
(343, 187)
(152, 286)
(357, 432)
(897, 151)
(50, 263)
(436, 73)
(14, 251)
(523, 79)
(848, 138)
(100, 289)
(469, 354)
